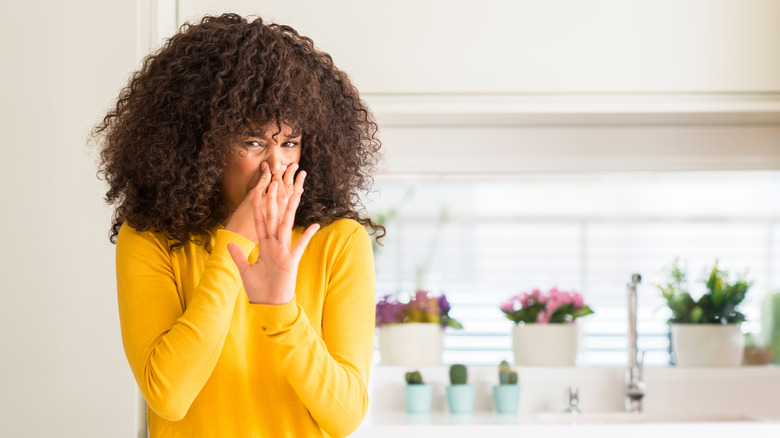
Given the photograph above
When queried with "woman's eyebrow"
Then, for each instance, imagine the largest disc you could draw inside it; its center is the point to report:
(260, 134)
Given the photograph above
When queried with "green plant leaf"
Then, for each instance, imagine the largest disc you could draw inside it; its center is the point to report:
(696, 314)
(717, 304)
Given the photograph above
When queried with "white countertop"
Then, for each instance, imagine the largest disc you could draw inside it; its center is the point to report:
(680, 402)
(484, 424)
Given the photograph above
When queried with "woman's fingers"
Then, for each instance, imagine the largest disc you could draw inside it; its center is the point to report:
(300, 245)
(288, 219)
(275, 208)
(272, 210)
(238, 256)
(259, 216)
(265, 177)
(285, 189)
(289, 175)
(298, 187)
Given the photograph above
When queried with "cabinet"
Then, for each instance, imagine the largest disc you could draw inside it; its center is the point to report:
(531, 46)
(603, 85)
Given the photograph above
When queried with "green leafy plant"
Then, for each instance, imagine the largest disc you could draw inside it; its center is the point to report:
(414, 378)
(458, 374)
(718, 304)
(506, 375)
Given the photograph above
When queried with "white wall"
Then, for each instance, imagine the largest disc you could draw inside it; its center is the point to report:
(62, 368)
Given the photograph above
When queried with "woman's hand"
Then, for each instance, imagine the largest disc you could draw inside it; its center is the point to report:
(271, 279)
(288, 184)
(241, 221)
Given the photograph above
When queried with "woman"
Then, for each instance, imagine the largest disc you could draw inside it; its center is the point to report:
(239, 317)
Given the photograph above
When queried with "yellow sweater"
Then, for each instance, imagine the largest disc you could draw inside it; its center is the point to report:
(211, 364)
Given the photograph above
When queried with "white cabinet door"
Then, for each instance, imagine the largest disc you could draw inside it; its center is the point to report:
(531, 46)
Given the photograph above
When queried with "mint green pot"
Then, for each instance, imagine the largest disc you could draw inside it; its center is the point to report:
(418, 398)
(460, 398)
(507, 398)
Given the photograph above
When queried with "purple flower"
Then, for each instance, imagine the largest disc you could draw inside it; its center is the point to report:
(388, 311)
(421, 307)
(444, 305)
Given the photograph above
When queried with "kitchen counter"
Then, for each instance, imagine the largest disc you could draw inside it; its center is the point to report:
(492, 425)
(680, 402)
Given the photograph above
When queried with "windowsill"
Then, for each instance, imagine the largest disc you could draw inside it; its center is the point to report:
(750, 391)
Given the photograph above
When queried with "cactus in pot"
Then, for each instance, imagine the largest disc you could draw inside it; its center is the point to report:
(507, 394)
(459, 374)
(506, 375)
(418, 395)
(460, 394)
(414, 378)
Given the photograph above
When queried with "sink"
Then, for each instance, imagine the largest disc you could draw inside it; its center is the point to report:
(638, 417)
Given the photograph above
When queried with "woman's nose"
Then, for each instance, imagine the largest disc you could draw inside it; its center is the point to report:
(274, 160)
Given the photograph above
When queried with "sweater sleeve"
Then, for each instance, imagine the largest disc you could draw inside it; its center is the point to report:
(171, 350)
(330, 375)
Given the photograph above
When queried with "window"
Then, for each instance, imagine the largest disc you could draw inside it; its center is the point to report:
(481, 240)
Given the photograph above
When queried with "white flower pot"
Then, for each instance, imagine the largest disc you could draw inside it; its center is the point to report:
(545, 344)
(411, 344)
(708, 345)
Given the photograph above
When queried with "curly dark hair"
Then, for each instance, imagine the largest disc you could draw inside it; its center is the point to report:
(164, 145)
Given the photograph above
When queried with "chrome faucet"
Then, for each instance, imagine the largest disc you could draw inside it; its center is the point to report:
(635, 387)
(572, 400)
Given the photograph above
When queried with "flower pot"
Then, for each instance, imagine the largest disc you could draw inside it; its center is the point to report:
(708, 345)
(411, 344)
(536, 344)
(507, 398)
(460, 398)
(418, 398)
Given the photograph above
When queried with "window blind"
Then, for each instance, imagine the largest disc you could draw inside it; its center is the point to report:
(482, 240)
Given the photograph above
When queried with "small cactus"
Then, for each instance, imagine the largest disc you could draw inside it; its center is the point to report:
(414, 378)
(458, 374)
(506, 376)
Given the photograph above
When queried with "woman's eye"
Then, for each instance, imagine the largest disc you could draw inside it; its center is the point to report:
(290, 144)
(253, 144)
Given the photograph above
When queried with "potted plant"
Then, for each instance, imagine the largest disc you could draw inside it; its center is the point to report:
(460, 394)
(412, 333)
(507, 394)
(705, 331)
(545, 332)
(417, 394)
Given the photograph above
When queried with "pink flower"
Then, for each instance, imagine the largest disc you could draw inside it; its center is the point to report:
(508, 305)
(555, 305)
(551, 307)
(543, 317)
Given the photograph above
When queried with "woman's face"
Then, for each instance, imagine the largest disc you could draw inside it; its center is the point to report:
(276, 145)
